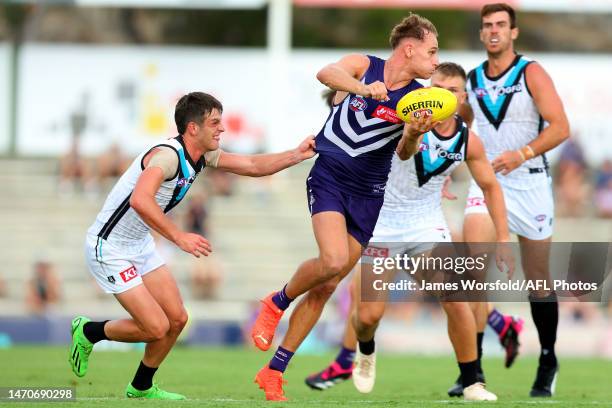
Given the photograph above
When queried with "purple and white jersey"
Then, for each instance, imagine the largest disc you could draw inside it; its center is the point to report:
(359, 138)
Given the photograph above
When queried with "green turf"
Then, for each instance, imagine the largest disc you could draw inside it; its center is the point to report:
(224, 377)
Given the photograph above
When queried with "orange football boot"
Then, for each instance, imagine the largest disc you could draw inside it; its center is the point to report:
(263, 330)
(271, 381)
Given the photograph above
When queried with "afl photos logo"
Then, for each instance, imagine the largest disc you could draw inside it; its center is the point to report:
(358, 104)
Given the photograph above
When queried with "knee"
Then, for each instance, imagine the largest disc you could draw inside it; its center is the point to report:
(157, 330)
(369, 316)
(459, 313)
(333, 265)
(178, 322)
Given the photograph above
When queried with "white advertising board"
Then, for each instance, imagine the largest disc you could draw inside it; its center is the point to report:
(127, 94)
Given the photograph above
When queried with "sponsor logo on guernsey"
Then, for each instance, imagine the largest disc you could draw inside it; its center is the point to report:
(540, 217)
(445, 154)
(498, 91)
(111, 279)
(423, 106)
(507, 90)
(423, 147)
(376, 252)
(386, 113)
(358, 104)
(128, 274)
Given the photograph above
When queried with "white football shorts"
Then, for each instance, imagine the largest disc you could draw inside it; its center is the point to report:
(530, 212)
(389, 240)
(119, 268)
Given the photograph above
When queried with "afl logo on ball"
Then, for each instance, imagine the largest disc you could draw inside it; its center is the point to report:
(358, 104)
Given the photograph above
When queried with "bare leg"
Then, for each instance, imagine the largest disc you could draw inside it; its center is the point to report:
(333, 241)
(163, 288)
(309, 309)
(479, 228)
(148, 322)
(349, 340)
(461, 330)
(367, 315)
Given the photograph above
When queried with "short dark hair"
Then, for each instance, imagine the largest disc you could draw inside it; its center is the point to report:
(450, 69)
(193, 107)
(413, 26)
(497, 7)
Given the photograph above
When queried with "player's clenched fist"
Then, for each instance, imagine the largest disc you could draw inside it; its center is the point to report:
(306, 149)
(193, 244)
(376, 90)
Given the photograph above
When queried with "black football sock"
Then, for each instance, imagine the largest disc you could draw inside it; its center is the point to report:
(94, 331)
(366, 347)
(143, 380)
(545, 313)
(468, 373)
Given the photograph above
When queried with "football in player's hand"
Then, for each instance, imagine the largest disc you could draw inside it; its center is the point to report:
(436, 102)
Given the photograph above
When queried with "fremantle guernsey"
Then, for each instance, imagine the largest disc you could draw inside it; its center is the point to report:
(507, 119)
(359, 138)
(414, 189)
(118, 222)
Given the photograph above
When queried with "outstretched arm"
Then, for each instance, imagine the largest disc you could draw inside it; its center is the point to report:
(265, 164)
(483, 175)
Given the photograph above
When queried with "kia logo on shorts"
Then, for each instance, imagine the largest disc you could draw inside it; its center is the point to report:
(128, 274)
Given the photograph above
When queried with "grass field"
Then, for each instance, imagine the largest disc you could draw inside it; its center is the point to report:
(224, 378)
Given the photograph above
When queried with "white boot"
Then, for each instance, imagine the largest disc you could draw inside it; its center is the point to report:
(364, 371)
(478, 392)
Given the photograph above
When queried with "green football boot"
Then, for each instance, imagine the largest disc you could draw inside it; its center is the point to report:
(81, 347)
(152, 393)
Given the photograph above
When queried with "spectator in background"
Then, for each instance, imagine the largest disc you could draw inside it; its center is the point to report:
(571, 186)
(206, 278)
(222, 182)
(205, 272)
(196, 217)
(111, 165)
(43, 288)
(603, 190)
(74, 173)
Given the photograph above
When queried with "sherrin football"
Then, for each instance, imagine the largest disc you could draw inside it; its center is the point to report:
(436, 102)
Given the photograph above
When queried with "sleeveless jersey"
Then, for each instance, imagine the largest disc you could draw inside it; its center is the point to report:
(118, 222)
(359, 138)
(415, 185)
(507, 119)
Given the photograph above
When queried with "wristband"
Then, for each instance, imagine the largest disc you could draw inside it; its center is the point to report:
(528, 152)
